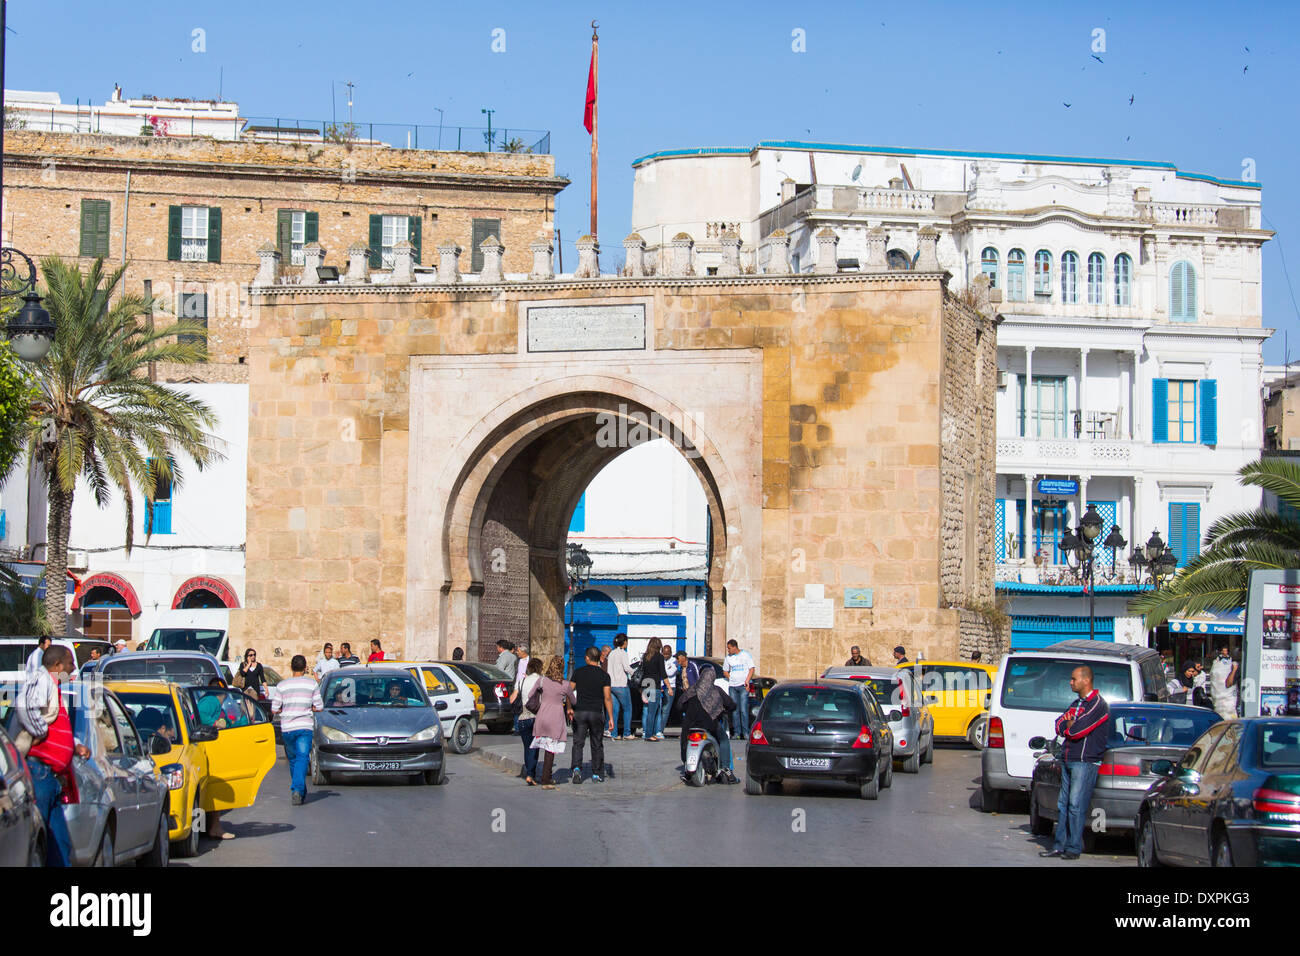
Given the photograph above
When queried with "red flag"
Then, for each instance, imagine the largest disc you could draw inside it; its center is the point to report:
(588, 114)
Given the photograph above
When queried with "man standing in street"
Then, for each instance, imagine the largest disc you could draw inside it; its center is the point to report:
(42, 714)
(686, 677)
(619, 669)
(856, 659)
(593, 711)
(346, 656)
(670, 669)
(36, 658)
(1223, 684)
(900, 654)
(1084, 728)
(740, 671)
(506, 658)
(296, 700)
(376, 652)
(326, 663)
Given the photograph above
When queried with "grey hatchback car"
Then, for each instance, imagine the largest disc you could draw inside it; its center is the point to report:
(898, 690)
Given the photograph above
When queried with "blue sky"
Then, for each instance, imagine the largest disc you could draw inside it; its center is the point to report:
(1211, 87)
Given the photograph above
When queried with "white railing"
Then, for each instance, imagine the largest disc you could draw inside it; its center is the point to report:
(896, 200)
(1066, 451)
(1175, 214)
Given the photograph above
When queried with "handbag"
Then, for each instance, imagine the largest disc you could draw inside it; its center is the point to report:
(238, 680)
(535, 699)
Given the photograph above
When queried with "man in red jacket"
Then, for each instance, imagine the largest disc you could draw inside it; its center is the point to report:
(1083, 726)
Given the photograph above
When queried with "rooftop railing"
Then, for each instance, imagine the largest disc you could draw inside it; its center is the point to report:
(398, 135)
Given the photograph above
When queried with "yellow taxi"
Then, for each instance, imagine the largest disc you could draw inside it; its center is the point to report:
(459, 703)
(957, 694)
(212, 745)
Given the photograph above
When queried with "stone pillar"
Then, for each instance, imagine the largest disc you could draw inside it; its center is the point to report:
(827, 251)
(1083, 504)
(778, 255)
(679, 257)
(492, 251)
(1135, 398)
(1139, 536)
(268, 266)
(634, 248)
(358, 264)
(449, 263)
(543, 259)
(1031, 396)
(1083, 391)
(313, 257)
(588, 258)
(927, 241)
(788, 187)
(877, 240)
(730, 254)
(403, 263)
(1027, 543)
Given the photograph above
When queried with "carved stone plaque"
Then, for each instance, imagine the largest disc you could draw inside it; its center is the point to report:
(586, 328)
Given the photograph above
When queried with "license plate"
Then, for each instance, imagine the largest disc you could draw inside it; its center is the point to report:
(808, 763)
(382, 765)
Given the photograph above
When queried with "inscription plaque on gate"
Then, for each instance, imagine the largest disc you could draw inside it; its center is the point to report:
(586, 328)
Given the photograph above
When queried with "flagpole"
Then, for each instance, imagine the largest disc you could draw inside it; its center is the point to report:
(595, 108)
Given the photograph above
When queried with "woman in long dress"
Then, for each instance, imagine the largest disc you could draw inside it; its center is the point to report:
(551, 728)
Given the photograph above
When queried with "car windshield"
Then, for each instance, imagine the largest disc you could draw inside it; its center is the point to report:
(1043, 683)
(153, 714)
(13, 657)
(1139, 726)
(183, 670)
(486, 672)
(83, 649)
(185, 639)
(1280, 745)
(811, 703)
(371, 690)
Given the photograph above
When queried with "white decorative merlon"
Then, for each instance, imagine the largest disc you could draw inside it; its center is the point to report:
(588, 258)
(492, 251)
(403, 263)
(827, 250)
(634, 247)
(543, 259)
(358, 264)
(268, 266)
(778, 253)
(788, 187)
(730, 255)
(679, 261)
(877, 241)
(927, 242)
(313, 257)
(449, 263)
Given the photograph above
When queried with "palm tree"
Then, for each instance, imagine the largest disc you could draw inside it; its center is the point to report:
(96, 414)
(1218, 579)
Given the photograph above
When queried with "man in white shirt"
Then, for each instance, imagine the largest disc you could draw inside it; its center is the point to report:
(670, 670)
(34, 665)
(521, 668)
(327, 662)
(506, 658)
(619, 669)
(740, 671)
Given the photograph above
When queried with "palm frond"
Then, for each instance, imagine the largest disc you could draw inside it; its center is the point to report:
(1278, 475)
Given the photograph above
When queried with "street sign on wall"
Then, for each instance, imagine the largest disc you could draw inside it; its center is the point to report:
(1057, 486)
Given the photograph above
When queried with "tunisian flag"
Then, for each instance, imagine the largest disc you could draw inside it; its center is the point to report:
(591, 93)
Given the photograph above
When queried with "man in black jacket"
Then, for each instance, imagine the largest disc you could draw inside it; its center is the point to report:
(1083, 726)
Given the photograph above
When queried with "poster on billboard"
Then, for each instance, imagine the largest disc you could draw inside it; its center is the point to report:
(1272, 652)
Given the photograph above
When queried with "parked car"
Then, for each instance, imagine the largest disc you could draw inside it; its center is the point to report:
(957, 693)
(192, 629)
(1232, 800)
(442, 683)
(14, 652)
(263, 703)
(115, 801)
(758, 688)
(495, 686)
(1032, 689)
(206, 768)
(824, 730)
(22, 831)
(899, 691)
(183, 667)
(1137, 736)
(377, 720)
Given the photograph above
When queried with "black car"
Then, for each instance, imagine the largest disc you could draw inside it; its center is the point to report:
(1232, 800)
(757, 688)
(22, 831)
(495, 686)
(1137, 735)
(821, 730)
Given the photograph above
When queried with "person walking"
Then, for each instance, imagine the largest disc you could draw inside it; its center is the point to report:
(251, 676)
(376, 652)
(619, 669)
(326, 663)
(1224, 674)
(527, 718)
(670, 695)
(48, 745)
(654, 681)
(685, 677)
(346, 656)
(702, 706)
(593, 711)
(856, 659)
(900, 654)
(36, 657)
(740, 671)
(1083, 726)
(506, 659)
(296, 700)
(551, 729)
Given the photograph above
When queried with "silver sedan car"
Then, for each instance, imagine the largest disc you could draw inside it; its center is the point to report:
(898, 690)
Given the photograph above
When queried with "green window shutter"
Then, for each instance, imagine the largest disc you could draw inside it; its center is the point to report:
(94, 227)
(376, 242)
(1209, 402)
(284, 234)
(174, 233)
(214, 233)
(1160, 410)
(101, 228)
(413, 236)
(311, 227)
(481, 229)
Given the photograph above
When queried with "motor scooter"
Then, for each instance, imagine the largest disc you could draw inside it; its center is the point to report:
(702, 759)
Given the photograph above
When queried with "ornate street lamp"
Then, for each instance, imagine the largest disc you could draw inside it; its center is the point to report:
(1155, 560)
(1080, 548)
(578, 563)
(30, 331)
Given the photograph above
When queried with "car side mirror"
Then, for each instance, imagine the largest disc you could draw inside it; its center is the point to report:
(895, 716)
(440, 705)
(1163, 768)
(159, 745)
(1037, 743)
(204, 735)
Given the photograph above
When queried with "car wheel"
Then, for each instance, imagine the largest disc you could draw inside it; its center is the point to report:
(36, 855)
(160, 853)
(190, 845)
(753, 786)
(462, 736)
(977, 733)
(1039, 825)
(887, 778)
(912, 764)
(1146, 842)
(928, 756)
(869, 789)
(106, 854)
(436, 778)
(990, 799)
(1222, 854)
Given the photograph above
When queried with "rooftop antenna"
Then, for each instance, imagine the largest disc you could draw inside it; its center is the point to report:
(221, 82)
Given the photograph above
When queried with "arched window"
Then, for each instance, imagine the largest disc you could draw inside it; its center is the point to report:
(1123, 279)
(1070, 278)
(1016, 275)
(1096, 279)
(1182, 292)
(1043, 273)
(899, 260)
(989, 265)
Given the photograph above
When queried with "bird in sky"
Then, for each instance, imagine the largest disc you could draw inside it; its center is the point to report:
(1245, 68)
(1097, 58)
(1067, 105)
(1130, 99)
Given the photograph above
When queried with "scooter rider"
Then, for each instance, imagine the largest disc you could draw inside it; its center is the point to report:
(702, 705)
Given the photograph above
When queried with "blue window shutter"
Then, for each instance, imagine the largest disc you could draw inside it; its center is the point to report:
(1160, 409)
(162, 517)
(1176, 535)
(1193, 513)
(579, 522)
(999, 528)
(1209, 411)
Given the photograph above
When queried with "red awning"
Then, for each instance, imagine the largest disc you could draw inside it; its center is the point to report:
(114, 582)
(207, 582)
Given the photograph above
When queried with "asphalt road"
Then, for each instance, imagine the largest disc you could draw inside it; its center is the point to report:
(484, 815)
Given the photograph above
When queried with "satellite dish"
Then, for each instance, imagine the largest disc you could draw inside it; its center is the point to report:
(857, 171)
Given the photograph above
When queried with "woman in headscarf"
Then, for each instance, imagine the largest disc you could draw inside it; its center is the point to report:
(702, 705)
(551, 728)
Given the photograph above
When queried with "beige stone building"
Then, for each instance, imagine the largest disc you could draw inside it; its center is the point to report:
(416, 452)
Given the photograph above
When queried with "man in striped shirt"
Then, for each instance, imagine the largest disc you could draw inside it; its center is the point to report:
(296, 700)
(42, 714)
(1083, 726)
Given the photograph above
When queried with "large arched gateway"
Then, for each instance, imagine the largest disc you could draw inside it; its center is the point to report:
(416, 451)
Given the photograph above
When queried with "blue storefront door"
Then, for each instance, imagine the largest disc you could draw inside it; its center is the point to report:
(1030, 632)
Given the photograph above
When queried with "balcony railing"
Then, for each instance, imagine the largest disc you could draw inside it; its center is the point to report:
(1066, 450)
(474, 139)
(1183, 215)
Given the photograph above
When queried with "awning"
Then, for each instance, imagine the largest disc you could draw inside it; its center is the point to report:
(1210, 622)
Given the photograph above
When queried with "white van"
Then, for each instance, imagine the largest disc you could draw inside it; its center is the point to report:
(1032, 689)
(193, 629)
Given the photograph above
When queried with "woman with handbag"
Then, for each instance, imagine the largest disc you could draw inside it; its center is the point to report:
(551, 727)
(250, 675)
(525, 693)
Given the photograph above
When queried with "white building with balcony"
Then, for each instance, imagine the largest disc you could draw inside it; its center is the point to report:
(1130, 343)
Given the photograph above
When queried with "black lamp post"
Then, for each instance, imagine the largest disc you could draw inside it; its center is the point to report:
(1080, 547)
(578, 563)
(1155, 561)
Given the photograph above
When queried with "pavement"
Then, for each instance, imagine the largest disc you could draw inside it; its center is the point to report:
(629, 764)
